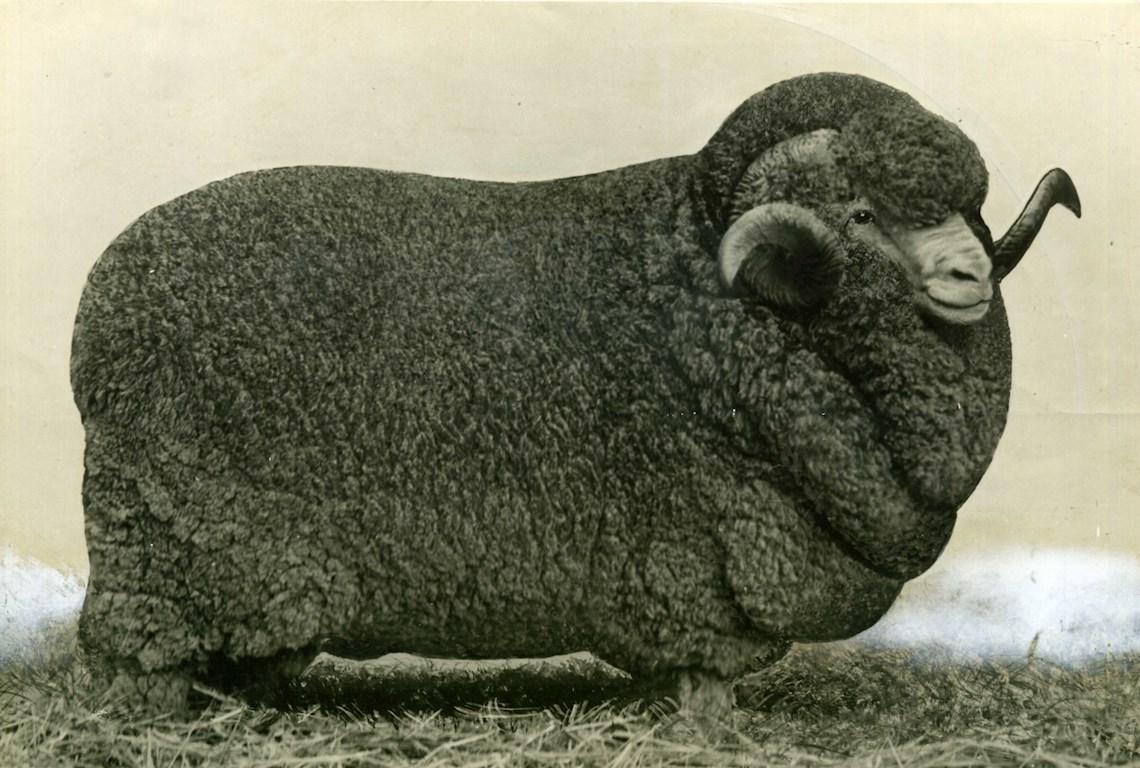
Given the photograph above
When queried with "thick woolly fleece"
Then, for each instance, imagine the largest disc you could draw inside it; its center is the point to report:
(373, 412)
(915, 165)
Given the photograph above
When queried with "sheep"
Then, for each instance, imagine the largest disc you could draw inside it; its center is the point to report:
(680, 414)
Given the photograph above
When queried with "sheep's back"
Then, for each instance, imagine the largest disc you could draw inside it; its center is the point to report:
(308, 307)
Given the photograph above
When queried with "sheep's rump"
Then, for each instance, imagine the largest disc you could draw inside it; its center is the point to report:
(418, 414)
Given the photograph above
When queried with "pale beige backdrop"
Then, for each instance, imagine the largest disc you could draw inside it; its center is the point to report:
(109, 109)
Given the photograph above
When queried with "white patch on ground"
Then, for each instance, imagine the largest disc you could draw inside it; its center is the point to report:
(1080, 606)
(37, 605)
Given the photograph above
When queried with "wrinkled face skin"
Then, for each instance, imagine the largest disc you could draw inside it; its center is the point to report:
(946, 264)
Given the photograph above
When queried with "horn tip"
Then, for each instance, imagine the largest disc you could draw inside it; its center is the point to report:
(1066, 191)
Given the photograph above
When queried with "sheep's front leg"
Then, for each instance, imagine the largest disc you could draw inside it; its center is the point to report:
(702, 696)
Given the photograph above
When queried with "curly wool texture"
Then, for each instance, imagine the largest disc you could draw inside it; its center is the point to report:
(916, 166)
(373, 412)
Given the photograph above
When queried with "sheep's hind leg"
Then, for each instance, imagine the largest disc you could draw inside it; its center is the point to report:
(122, 682)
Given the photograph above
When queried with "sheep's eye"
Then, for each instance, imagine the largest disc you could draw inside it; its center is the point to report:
(862, 216)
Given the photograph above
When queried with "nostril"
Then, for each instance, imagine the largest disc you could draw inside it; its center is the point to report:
(968, 277)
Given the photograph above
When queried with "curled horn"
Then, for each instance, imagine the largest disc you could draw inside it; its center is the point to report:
(772, 176)
(1055, 187)
(783, 254)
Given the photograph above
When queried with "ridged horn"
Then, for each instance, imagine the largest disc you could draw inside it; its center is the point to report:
(783, 254)
(770, 175)
(1055, 187)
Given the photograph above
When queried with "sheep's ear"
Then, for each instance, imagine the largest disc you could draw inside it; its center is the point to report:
(783, 254)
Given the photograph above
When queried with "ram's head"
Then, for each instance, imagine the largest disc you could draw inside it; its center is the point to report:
(901, 181)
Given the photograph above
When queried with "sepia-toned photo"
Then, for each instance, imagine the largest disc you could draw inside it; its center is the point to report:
(569, 384)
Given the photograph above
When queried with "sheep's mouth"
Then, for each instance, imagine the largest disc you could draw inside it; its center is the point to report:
(958, 313)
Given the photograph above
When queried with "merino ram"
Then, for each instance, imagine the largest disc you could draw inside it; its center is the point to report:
(680, 414)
